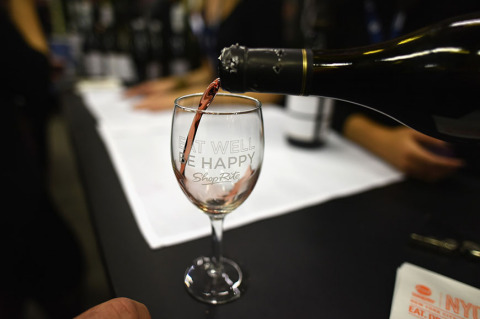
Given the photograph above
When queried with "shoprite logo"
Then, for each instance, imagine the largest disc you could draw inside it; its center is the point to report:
(423, 290)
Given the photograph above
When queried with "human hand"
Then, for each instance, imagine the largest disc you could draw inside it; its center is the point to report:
(155, 95)
(118, 308)
(153, 87)
(160, 94)
(406, 149)
(418, 155)
(156, 102)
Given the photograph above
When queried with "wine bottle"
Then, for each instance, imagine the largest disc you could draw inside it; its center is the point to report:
(92, 47)
(179, 63)
(308, 117)
(156, 46)
(108, 45)
(124, 65)
(308, 120)
(141, 48)
(427, 80)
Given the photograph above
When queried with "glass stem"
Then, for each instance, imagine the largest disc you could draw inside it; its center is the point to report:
(217, 234)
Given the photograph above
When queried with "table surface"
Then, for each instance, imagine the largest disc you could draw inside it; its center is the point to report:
(332, 260)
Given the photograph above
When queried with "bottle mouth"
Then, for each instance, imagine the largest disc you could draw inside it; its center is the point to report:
(231, 60)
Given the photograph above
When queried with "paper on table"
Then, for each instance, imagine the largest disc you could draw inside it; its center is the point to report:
(139, 145)
(420, 293)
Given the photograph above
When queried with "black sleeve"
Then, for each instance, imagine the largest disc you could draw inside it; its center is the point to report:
(25, 71)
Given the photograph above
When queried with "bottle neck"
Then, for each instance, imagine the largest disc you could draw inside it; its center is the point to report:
(303, 71)
(294, 71)
(286, 71)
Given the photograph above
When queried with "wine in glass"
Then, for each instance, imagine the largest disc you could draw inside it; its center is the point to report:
(217, 154)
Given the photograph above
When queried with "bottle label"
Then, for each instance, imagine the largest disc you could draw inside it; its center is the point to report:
(179, 66)
(308, 105)
(94, 63)
(125, 69)
(308, 118)
(110, 65)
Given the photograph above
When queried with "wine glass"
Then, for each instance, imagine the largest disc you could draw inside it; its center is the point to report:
(217, 156)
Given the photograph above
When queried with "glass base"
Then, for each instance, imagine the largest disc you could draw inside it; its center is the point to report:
(213, 285)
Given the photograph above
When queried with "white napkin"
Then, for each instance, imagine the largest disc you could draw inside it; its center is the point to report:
(291, 178)
(420, 293)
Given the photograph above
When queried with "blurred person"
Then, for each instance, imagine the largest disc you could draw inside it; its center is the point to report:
(370, 21)
(217, 24)
(117, 308)
(41, 259)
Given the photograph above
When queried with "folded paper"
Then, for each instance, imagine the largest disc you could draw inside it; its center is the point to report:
(420, 293)
(138, 143)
